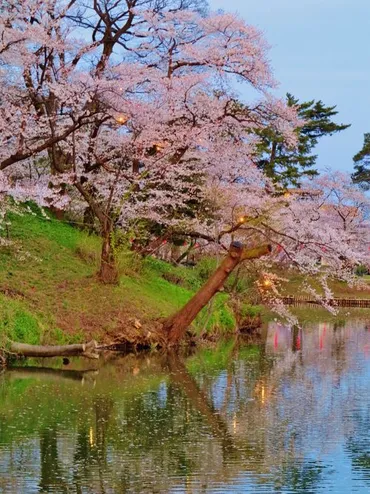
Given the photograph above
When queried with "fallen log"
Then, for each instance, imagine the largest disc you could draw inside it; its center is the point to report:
(88, 350)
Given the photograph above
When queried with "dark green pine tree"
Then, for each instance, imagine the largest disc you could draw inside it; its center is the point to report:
(287, 166)
(362, 164)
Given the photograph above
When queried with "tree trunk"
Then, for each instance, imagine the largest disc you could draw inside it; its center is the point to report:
(185, 253)
(88, 350)
(88, 220)
(108, 272)
(175, 327)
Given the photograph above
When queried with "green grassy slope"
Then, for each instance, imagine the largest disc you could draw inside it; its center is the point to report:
(49, 292)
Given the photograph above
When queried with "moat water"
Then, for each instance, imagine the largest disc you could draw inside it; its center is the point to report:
(290, 414)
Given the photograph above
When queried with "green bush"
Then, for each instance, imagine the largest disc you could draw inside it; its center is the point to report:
(247, 310)
(205, 267)
(361, 270)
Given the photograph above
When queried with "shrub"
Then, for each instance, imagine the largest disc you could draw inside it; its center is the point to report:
(361, 270)
(205, 267)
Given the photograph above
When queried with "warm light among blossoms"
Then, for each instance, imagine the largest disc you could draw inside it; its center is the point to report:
(158, 146)
(121, 119)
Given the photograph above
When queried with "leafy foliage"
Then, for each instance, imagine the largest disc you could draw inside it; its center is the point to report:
(287, 165)
(362, 164)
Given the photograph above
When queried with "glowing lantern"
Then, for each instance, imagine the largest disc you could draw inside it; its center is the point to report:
(158, 146)
(121, 119)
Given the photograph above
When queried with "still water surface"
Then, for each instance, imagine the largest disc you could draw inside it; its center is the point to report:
(289, 415)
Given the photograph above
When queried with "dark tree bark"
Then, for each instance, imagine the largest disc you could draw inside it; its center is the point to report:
(108, 272)
(176, 326)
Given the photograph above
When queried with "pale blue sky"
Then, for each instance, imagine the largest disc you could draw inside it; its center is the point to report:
(320, 49)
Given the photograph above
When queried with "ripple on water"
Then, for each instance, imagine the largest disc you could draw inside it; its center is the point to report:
(275, 417)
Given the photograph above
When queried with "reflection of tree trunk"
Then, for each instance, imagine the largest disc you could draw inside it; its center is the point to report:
(103, 410)
(296, 345)
(91, 448)
(230, 371)
(81, 458)
(199, 401)
(50, 476)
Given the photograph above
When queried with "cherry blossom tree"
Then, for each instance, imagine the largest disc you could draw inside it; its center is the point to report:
(321, 230)
(131, 105)
(138, 113)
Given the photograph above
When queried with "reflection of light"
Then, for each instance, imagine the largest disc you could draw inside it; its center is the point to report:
(262, 394)
(91, 437)
(298, 343)
(188, 483)
(322, 337)
(234, 424)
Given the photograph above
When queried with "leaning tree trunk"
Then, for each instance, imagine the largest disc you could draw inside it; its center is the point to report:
(108, 272)
(175, 327)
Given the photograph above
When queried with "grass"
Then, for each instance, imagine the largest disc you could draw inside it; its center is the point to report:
(49, 292)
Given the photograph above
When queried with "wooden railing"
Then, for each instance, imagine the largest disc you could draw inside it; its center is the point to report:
(337, 302)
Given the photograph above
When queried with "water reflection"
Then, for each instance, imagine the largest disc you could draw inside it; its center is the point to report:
(290, 414)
